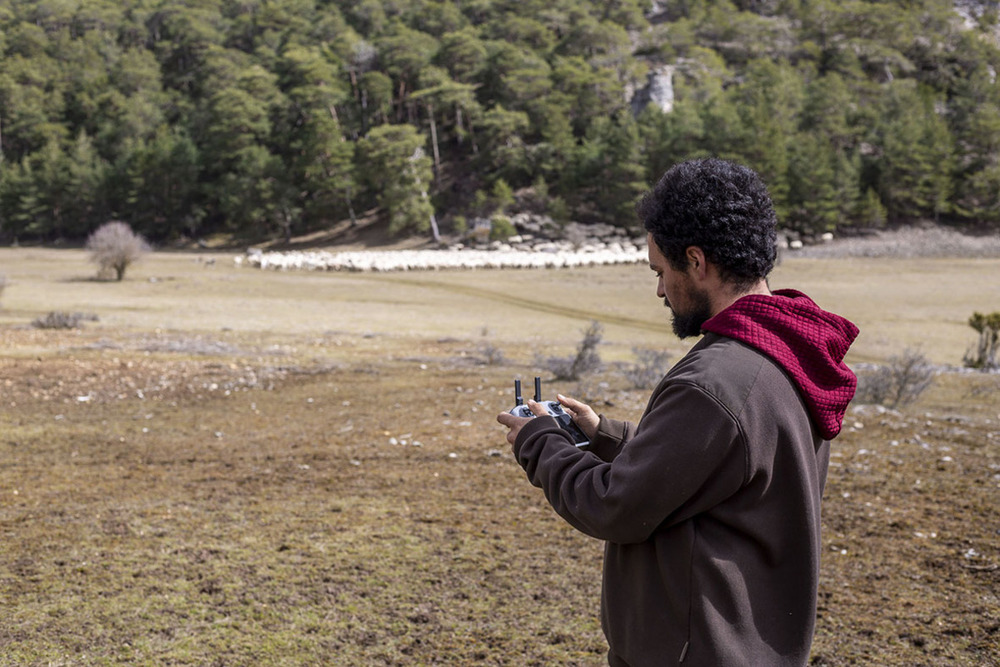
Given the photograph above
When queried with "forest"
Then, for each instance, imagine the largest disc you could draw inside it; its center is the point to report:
(260, 119)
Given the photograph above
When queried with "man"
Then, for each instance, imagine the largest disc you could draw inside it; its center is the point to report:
(710, 506)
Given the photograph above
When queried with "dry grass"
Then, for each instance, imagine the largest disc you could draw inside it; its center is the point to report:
(903, 303)
(236, 467)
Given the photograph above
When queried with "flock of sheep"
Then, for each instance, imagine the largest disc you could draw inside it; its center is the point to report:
(498, 256)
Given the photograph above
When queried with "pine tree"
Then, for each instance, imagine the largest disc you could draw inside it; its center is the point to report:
(396, 167)
(917, 154)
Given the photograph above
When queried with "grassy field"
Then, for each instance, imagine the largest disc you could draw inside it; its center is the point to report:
(233, 467)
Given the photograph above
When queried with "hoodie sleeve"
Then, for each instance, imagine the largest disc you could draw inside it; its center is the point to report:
(611, 435)
(686, 455)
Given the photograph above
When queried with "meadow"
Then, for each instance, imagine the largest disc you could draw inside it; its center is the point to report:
(227, 466)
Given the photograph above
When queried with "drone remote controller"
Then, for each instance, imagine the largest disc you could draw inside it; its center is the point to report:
(555, 410)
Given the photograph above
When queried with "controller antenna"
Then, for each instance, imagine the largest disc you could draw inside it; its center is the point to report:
(517, 393)
(538, 390)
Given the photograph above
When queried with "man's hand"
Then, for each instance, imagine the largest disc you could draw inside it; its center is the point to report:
(515, 424)
(583, 415)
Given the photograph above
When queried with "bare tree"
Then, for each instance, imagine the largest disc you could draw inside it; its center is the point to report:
(114, 247)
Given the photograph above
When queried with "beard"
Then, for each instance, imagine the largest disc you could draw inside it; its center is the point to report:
(687, 322)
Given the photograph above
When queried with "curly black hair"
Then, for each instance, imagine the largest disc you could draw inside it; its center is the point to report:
(722, 208)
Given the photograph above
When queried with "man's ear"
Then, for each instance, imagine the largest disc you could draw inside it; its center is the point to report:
(696, 261)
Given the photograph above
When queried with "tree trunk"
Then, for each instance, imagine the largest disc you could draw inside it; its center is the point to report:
(472, 136)
(354, 83)
(434, 225)
(400, 103)
(350, 207)
(434, 139)
(364, 112)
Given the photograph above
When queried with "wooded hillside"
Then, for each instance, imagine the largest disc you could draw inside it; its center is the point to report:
(261, 118)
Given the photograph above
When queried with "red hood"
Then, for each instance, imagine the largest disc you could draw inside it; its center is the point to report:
(808, 342)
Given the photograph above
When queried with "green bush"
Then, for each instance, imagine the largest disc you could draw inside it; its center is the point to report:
(501, 228)
(559, 210)
(480, 202)
(502, 195)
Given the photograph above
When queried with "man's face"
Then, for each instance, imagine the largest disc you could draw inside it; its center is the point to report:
(690, 306)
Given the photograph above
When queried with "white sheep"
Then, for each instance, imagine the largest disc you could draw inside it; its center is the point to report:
(549, 255)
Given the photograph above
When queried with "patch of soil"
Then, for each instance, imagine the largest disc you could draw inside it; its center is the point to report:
(358, 500)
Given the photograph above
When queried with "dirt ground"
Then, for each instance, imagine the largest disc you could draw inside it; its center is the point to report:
(231, 499)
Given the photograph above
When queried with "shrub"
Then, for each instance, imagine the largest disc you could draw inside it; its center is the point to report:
(871, 212)
(501, 228)
(481, 230)
(592, 392)
(493, 355)
(58, 319)
(502, 195)
(480, 202)
(558, 210)
(114, 247)
(898, 383)
(586, 360)
(984, 355)
(535, 198)
(648, 369)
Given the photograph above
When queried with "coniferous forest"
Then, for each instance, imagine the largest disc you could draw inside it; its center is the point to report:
(268, 118)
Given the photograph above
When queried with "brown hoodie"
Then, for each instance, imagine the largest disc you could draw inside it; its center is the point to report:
(710, 506)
